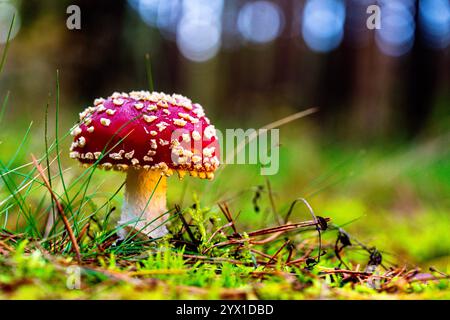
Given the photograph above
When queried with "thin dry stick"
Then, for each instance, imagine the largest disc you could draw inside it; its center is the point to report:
(7, 247)
(278, 230)
(268, 239)
(269, 126)
(211, 259)
(433, 269)
(353, 272)
(311, 211)
(227, 213)
(428, 278)
(83, 231)
(285, 228)
(265, 255)
(218, 230)
(278, 251)
(185, 224)
(60, 209)
(276, 124)
(301, 259)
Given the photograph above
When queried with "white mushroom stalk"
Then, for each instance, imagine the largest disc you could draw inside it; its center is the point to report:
(145, 207)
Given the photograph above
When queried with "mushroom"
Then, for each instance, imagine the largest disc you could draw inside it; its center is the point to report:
(149, 136)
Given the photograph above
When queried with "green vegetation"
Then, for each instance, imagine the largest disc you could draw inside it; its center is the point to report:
(377, 227)
(388, 212)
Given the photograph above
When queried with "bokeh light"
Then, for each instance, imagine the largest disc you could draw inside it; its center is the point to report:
(7, 12)
(323, 24)
(260, 21)
(198, 40)
(202, 27)
(396, 35)
(163, 15)
(434, 18)
(148, 10)
(199, 30)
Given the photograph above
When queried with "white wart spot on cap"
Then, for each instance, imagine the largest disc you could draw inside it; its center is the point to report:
(81, 141)
(208, 152)
(215, 161)
(152, 107)
(196, 159)
(83, 114)
(199, 111)
(106, 122)
(73, 145)
(98, 101)
(196, 135)
(118, 101)
(89, 155)
(162, 125)
(163, 142)
(183, 115)
(117, 155)
(186, 137)
(210, 132)
(100, 108)
(74, 154)
(129, 155)
(149, 119)
(179, 122)
(162, 104)
(76, 131)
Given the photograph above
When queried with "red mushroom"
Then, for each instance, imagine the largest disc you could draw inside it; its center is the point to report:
(150, 136)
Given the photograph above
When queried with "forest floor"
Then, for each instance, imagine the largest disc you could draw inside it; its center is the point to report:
(368, 226)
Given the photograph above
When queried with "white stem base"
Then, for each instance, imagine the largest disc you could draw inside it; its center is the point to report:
(142, 211)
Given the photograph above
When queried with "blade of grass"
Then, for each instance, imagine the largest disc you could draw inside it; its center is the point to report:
(148, 68)
(58, 159)
(5, 102)
(51, 216)
(27, 177)
(20, 146)
(19, 200)
(5, 50)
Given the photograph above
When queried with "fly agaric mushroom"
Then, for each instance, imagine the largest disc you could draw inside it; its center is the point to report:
(150, 136)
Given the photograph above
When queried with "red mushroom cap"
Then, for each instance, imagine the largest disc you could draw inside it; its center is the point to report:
(144, 130)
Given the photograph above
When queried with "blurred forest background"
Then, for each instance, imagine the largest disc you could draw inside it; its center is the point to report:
(248, 62)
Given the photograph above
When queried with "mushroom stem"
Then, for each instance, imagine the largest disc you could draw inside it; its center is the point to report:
(144, 208)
